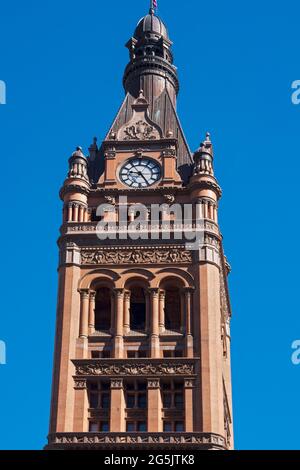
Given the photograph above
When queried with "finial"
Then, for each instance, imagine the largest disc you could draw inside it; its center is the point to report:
(208, 137)
(95, 140)
(141, 94)
(153, 5)
(79, 149)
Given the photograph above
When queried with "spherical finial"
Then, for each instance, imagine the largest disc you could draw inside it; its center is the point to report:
(208, 137)
(79, 149)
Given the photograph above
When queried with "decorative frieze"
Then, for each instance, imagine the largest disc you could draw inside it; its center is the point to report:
(207, 440)
(135, 256)
(146, 368)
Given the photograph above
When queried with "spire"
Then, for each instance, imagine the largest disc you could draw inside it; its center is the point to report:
(151, 59)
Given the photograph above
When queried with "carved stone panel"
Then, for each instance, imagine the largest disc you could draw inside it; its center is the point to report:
(138, 256)
(96, 368)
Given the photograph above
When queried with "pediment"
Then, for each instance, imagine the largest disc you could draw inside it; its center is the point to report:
(140, 127)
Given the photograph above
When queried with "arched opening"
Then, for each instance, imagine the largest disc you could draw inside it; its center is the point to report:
(137, 309)
(103, 309)
(172, 308)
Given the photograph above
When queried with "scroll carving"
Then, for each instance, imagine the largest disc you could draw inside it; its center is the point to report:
(163, 369)
(135, 256)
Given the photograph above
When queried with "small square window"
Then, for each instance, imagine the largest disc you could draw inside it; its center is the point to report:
(142, 427)
(94, 400)
(143, 354)
(130, 401)
(168, 354)
(167, 427)
(96, 354)
(178, 353)
(142, 401)
(130, 427)
(130, 386)
(178, 386)
(179, 400)
(104, 427)
(166, 386)
(167, 400)
(105, 386)
(105, 401)
(131, 354)
(142, 386)
(179, 427)
(93, 427)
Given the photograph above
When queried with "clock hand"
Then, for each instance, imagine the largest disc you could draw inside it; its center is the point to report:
(141, 174)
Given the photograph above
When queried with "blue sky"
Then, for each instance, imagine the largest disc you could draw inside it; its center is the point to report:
(63, 64)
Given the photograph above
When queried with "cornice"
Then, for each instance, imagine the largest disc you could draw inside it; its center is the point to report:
(74, 188)
(206, 184)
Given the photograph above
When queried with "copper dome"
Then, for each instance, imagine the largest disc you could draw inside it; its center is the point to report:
(151, 24)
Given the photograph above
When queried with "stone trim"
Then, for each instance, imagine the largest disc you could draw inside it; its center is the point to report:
(152, 440)
(134, 368)
(159, 255)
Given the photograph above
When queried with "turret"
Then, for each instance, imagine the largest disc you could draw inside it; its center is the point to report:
(75, 190)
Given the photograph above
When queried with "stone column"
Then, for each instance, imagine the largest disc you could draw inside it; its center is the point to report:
(182, 311)
(154, 331)
(84, 313)
(112, 315)
(127, 312)
(70, 212)
(80, 214)
(189, 405)
(119, 308)
(189, 340)
(92, 312)
(75, 212)
(154, 406)
(162, 299)
(147, 325)
(117, 406)
(80, 406)
(199, 210)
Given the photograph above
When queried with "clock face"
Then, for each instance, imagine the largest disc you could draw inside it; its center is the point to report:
(140, 173)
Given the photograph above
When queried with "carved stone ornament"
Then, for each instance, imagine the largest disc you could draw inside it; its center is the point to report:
(153, 383)
(80, 384)
(169, 198)
(110, 200)
(142, 369)
(105, 439)
(116, 383)
(154, 256)
(140, 131)
(140, 126)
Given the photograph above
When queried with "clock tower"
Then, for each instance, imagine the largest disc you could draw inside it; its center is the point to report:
(142, 352)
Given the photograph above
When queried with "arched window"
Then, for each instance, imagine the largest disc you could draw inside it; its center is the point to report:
(103, 309)
(172, 309)
(137, 309)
